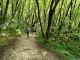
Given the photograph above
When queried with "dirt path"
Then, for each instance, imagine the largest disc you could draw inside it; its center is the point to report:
(26, 49)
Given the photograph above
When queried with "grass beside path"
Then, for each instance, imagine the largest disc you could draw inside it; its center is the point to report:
(70, 51)
(5, 40)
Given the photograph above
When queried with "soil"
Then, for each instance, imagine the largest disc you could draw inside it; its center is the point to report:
(24, 48)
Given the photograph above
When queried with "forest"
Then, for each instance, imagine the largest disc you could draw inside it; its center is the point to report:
(56, 23)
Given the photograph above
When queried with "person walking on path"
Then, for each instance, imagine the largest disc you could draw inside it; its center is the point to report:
(28, 31)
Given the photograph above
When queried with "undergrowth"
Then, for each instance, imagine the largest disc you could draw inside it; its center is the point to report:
(8, 37)
(4, 40)
(69, 50)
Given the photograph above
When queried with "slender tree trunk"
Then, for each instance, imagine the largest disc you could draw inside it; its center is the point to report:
(7, 3)
(28, 5)
(32, 19)
(14, 10)
(39, 18)
(44, 12)
(35, 18)
(68, 9)
(51, 12)
(49, 20)
(71, 10)
(1, 13)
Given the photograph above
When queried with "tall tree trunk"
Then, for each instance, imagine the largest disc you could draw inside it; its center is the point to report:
(35, 18)
(39, 18)
(71, 10)
(51, 12)
(44, 12)
(7, 3)
(28, 5)
(1, 12)
(32, 19)
(68, 9)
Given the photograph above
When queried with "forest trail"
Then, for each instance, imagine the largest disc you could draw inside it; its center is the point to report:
(26, 49)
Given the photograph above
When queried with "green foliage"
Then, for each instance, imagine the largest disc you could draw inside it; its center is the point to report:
(70, 50)
(4, 40)
(66, 42)
(40, 40)
(8, 37)
(8, 16)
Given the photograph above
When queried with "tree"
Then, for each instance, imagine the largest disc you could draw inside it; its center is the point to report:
(39, 18)
(1, 13)
(51, 12)
(6, 9)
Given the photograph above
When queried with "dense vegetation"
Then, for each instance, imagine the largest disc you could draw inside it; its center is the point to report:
(57, 23)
